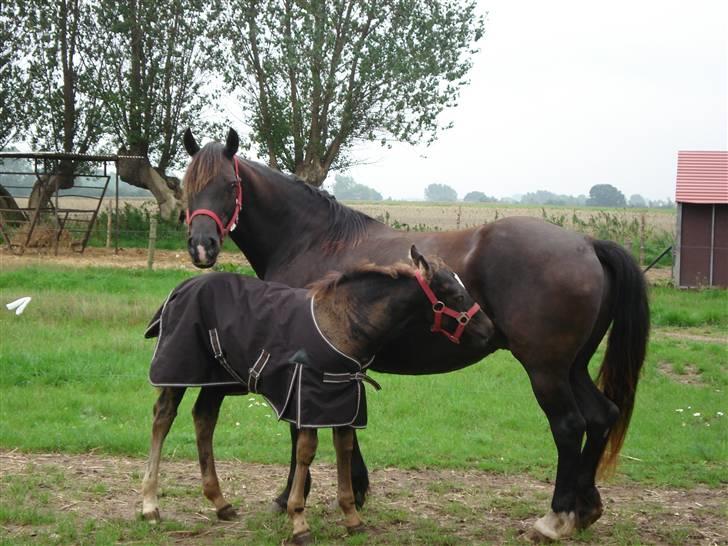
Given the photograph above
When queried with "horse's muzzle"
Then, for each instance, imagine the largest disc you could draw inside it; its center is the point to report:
(203, 250)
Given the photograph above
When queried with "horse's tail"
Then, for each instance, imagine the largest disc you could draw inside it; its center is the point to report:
(627, 344)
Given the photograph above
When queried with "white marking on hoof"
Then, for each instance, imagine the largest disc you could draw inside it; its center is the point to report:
(556, 526)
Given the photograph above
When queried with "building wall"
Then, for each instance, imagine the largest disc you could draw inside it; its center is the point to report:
(702, 254)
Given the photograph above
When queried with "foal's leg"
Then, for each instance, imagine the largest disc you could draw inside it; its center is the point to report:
(344, 445)
(555, 397)
(205, 412)
(281, 501)
(359, 476)
(600, 414)
(165, 410)
(305, 452)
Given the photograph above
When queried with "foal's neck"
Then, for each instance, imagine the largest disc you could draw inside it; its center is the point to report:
(359, 321)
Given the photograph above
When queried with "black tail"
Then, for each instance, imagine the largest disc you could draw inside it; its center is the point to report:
(627, 344)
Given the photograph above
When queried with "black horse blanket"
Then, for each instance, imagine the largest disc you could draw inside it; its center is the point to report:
(223, 329)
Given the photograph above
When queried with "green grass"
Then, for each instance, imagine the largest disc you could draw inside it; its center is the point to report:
(74, 378)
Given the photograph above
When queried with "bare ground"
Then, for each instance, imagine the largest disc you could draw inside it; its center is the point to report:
(404, 506)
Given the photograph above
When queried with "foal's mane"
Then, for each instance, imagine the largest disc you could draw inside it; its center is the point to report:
(346, 226)
(328, 283)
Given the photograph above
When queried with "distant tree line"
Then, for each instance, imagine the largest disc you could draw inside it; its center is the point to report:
(600, 195)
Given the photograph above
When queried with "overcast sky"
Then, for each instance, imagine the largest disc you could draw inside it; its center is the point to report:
(565, 95)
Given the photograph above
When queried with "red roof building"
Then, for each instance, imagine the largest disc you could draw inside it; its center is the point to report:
(701, 254)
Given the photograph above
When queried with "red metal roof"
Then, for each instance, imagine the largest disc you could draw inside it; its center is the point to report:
(702, 177)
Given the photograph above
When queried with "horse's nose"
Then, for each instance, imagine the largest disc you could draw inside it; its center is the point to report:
(203, 250)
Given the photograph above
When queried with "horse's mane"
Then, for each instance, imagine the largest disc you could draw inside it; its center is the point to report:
(203, 167)
(347, 227)
(328, 283)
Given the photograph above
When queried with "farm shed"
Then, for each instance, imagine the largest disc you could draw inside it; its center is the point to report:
(701, 253)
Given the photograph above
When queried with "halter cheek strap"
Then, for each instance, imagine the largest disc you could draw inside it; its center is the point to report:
(439, 309)
(222, 230)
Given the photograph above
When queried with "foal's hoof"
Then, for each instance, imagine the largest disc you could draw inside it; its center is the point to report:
(152, 517)
(227, 513)
(356, 529)
(303, 538)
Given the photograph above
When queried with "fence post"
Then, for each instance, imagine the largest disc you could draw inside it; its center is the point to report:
(108, 225)
(642, 240)
(152, 241)
(460, 212)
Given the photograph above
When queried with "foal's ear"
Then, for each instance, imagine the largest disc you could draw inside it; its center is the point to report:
(231, 144)
(190, 143)
(420, 262)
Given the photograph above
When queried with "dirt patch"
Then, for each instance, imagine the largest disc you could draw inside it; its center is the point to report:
(405, 506)
(689, 376)
(103, 257)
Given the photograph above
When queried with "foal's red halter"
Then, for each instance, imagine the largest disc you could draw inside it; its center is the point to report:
(222, 230)
(439, 308)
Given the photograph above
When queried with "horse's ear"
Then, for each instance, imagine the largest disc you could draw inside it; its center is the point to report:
(420, 262)
(190, 143)
(231, 144)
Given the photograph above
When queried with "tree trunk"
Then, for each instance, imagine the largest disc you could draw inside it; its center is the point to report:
(166, 189)
(12, 215)
(48, 184)
(312, 172)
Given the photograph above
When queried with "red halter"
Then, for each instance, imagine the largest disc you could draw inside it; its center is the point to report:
(222, 230)
(439, 308)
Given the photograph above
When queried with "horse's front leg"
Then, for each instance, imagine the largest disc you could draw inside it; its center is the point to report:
(344, 445)
(205, 413)
(165, 410)
(305, 453)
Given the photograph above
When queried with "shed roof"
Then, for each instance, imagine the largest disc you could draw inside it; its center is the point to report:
(702, 177)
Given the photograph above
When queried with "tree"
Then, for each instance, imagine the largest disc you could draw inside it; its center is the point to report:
(152, 80)
(318, 76)
(440, 192)
(54, 43)
(605, 195)
(478, 197)
(13, 92)
(637, 200)
(346, 188)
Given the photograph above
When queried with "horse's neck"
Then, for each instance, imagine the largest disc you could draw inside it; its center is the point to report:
(359, 322)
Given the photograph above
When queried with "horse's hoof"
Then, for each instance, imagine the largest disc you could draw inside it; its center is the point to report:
(152, 517)
(356, 529)
(302, 538)
(227, 513)
(556, 526)
(276, 508)
(533, 536)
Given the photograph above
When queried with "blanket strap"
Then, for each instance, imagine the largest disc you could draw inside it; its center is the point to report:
(220, 357)
(346, 377)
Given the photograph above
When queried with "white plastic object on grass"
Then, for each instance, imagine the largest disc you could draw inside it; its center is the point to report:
(19, 305)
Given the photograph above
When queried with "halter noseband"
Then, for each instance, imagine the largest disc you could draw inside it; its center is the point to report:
(222, 230)
(439, 309)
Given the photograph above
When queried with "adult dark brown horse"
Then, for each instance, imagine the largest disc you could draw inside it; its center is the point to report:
(551, 293)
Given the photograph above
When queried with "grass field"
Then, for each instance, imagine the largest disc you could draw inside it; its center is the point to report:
(75, 415)
(74, 379)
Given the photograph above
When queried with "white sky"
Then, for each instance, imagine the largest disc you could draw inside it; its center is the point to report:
(568, 94)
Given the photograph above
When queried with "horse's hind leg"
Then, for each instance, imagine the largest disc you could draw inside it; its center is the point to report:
(305, 452)
(344, 445)
(281, 501)
(205, 413)
(165, 410)
(600, 414)
(555, 397)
